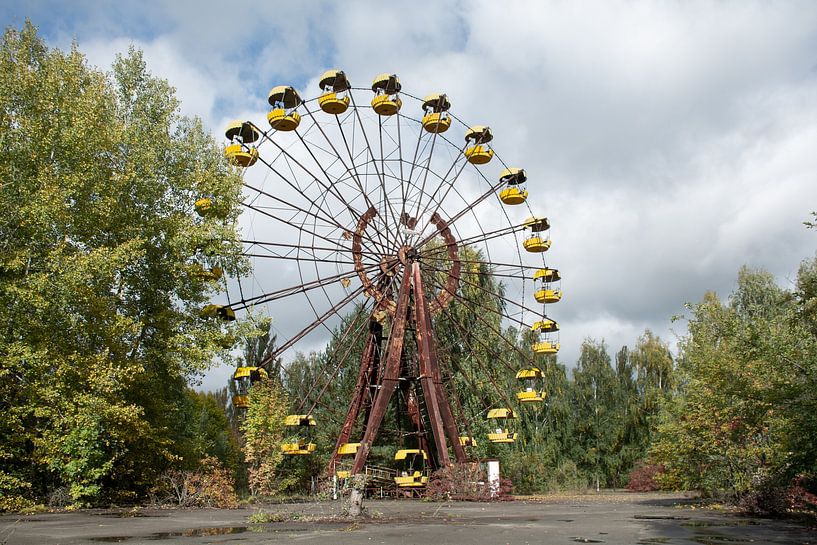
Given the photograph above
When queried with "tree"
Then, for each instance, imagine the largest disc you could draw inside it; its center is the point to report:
(263, 429)
(594, 397)
(744, 419)
(99, 291)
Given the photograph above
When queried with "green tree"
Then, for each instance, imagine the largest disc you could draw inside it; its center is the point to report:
(595, 399)
(99, 296)
(263, 429)
(746, 369)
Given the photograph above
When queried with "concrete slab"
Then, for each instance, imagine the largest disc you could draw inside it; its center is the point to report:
(628, 519)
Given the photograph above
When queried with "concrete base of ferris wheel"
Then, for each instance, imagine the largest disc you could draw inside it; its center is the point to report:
(611, 518)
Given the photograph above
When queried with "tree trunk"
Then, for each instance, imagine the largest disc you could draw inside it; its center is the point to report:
(355, 502)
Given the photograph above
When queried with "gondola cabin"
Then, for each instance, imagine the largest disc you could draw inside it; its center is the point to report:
(301, 428)
(478, 152)
(212, 274)
(413, 472)
(335, 97)
(346, 454)
(386, 101)
(239, 152)
(514, 182)
(244, 378)
(467, 441)
(436, 119)
(284, 100)
(531, 379)
(546, 286)
(537, 242)
(548, 342)
(501, 433)
(221, 311)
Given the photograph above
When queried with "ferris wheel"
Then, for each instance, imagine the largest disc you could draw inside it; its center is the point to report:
(369, 213)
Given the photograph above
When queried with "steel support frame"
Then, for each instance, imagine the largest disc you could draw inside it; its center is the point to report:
(442, 425)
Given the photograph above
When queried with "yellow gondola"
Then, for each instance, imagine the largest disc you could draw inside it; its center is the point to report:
(530, 378)
(386, 102)
(501, 434)
(467, 441)
(536, 243)
(346, 450)
(479, 152)
(335, 86)
(549, 344)
(239, 152)
(514, 191)
(547, 275)
(436, 119)
(198, 270)
(545, 325)
(283, 117)
(300, 445)
(413, 474)
(203, 206)
(545, 347)
(224, 312)
(547, 295)
(545, 291)
(244, 378)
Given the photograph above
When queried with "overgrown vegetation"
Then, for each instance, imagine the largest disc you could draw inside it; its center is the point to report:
(99, 300)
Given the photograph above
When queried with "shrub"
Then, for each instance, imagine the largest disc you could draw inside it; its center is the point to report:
(211, 485)
(643, 477)
(464, 482)
(567, 477)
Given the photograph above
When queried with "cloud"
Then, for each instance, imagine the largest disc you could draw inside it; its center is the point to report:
(668, 142)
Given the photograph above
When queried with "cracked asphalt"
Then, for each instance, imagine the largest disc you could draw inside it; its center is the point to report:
(611, 518)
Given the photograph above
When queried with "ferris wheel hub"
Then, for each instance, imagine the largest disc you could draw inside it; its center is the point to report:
(407, 254)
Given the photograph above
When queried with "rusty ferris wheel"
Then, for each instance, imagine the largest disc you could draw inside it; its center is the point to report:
(387, 204)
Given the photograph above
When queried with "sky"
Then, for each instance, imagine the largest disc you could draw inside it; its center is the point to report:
(668, 142)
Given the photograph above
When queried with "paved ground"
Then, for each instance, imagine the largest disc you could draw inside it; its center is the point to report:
(628, 519)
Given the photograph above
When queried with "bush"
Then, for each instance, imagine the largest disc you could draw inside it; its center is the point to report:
(643, 477)
(464, 482)
(210, 485)
(799, 497)
(567, 477)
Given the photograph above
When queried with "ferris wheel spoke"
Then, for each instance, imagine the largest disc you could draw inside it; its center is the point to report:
(493, 353)
(341, 363)
(361, 311)
(311, 327)
(356, 177)
(368, 148)
(337, 157)
(294, 207)
(310, 251)
(326, 189)
(462, 212)
(450, 185)
(296, 289)
(500, 296)
(490, 326)
(482, 237)
(300, 228)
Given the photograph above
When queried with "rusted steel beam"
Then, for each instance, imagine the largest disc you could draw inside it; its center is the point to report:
(431, 377)
(370, 352)
(390, 374)
(442, 299)
(424, 342)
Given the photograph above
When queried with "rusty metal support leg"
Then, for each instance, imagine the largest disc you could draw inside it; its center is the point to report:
(390, 374)
(367, 364)
(426, 377)
(431, 379)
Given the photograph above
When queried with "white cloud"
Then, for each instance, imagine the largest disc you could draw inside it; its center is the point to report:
(669, 142)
